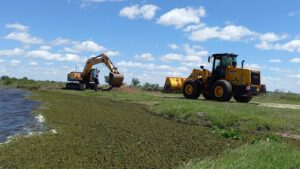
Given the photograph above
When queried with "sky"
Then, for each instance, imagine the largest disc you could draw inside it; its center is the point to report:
(151, 39)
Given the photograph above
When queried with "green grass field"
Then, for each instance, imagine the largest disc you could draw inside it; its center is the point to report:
(154, 130)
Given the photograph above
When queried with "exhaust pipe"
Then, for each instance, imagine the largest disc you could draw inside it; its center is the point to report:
(243, 64)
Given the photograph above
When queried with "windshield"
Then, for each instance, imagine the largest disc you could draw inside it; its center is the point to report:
(229, 61)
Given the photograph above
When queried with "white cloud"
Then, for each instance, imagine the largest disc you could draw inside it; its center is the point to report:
(252, 66)
(267, 38)
(171, 57)
(12, 52)
(112, 53)
(15, 62)
(45, 47)
(133, 12)
(295, 13)
(24, 37)
(294, 76)
(292, 46)
(195, 50)
(271, 37)
(295, 60)
(62, 41)
(173, 46)
(264, 46)
(33, 63)
(145, 57)
(17, 26)
(46, 55)
(275, 60)
(151, 67)
(180, 17)
(193, 56)
(229, 33)
(87, 3)
(2, 61)
(86, 46)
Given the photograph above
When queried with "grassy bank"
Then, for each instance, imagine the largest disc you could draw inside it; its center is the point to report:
(119, 129)
(261, 155)
(94, 132)
(25, 83)
(231, 115)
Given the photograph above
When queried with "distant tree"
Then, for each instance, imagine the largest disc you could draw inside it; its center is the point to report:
(147, 86)
(135, 82)
(106, 78)
(4, 77)
(278, 91)
(24, 78)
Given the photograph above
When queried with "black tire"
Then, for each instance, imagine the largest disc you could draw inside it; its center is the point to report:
(226, 93)
(242, 99)
(191, 89)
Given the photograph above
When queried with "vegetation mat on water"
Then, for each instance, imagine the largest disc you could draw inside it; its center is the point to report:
(94, 132)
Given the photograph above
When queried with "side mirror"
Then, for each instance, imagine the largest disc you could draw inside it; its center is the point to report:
(243, 64)
(202, 67)
(209, 59)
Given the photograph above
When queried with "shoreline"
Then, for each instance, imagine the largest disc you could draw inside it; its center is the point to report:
(35, 123)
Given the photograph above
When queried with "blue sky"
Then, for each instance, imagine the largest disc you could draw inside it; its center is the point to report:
(150, 40)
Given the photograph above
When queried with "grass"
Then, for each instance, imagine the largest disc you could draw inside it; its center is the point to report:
(28, 84)
(231, 115)
(95, 132)
(279, 97)
(126, 130)
(262, 155)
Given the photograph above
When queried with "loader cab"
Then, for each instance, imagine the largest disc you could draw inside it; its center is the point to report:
(220, 62)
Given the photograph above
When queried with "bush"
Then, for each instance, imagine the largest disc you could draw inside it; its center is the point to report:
(4, 77)
(8, 81)
(151, 87)
(135, 82)
(226, 133)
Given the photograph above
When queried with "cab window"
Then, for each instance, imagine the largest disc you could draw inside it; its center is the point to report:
(217, 63)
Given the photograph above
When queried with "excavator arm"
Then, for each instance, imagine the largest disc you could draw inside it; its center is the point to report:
(115, 77)
(102, 58)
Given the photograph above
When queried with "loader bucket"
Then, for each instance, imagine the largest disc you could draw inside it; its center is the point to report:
(115, 80)
(174, 84)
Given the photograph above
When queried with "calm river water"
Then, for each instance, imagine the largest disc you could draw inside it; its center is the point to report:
(15, 114)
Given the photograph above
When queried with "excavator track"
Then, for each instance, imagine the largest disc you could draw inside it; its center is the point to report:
(75, 86)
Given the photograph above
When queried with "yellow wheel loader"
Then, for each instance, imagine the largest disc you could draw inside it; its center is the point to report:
(87, 78)
(225, 81)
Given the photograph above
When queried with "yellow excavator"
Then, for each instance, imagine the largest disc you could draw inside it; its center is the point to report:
(89, 77)
(225, 81)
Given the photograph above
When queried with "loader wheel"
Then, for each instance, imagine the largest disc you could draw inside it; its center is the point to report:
(191, 89)
(222, 91)
(242, 99)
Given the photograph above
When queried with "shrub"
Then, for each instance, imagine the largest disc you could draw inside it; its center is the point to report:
(135, 82)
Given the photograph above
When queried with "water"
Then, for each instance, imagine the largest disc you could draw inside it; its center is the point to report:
(15, 114)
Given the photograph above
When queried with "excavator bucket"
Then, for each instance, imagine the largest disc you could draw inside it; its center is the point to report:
(174, 84)
(115, 80)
